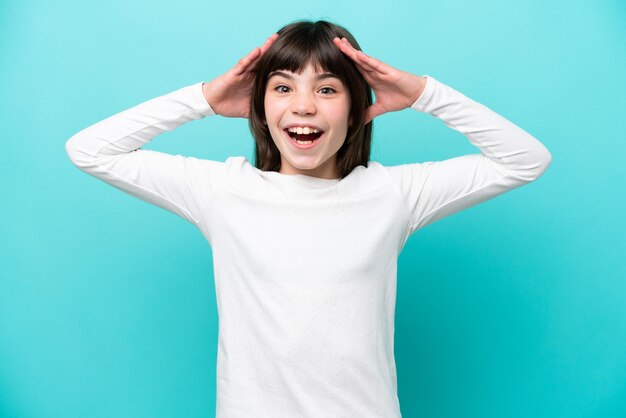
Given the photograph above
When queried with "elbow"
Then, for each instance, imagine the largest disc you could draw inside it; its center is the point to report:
(547, 160)
(543, 162)
(534, 164)
(70, 150)
(538, 167)
(77, 156)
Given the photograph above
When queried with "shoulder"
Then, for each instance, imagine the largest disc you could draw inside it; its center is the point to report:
(209, 173)
(237, 163)
(398, 171)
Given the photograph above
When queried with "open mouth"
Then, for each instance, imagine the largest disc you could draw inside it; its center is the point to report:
(304, 140)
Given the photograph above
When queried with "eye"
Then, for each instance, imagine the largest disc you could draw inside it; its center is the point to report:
(332, 90)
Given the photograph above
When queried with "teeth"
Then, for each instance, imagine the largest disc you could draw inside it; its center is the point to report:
(306, 130)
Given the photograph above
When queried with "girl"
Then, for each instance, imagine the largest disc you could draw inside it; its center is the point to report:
(305, 242)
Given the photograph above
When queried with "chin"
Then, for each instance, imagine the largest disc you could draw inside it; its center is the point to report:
(304, 166)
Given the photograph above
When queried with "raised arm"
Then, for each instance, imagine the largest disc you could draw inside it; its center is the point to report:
(509, 156)
(110, 150)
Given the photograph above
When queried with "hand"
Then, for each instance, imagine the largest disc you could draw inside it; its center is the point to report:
(229, 94)
(394, 89)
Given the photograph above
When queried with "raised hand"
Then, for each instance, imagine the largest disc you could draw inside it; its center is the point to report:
(394, 89)
(229, 94)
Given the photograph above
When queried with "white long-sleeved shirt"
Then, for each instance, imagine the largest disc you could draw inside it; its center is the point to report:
(305, 268)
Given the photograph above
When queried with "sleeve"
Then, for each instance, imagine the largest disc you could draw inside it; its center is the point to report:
(110, 151)
(509, 157)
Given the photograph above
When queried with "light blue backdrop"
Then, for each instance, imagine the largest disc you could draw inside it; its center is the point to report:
(514, 308)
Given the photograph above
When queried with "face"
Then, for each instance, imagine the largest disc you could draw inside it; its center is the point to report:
(307, 100)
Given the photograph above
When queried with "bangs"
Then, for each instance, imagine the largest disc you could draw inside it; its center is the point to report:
(310, 48)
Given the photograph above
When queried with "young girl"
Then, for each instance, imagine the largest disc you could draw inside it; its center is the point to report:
(305, 242)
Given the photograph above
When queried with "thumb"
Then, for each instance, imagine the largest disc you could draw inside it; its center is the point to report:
(373, 111)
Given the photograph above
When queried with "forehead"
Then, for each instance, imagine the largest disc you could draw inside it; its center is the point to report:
(292, 76)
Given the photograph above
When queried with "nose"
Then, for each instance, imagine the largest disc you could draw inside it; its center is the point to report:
(303, 104)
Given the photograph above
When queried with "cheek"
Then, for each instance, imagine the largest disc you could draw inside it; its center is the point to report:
(342, 113)
(267, 103)
(272, 111)
(276, 134)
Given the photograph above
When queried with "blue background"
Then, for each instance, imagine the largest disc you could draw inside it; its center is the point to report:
(513, 308)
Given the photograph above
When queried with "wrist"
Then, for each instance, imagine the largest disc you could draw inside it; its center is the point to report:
(421, 85)
(205, 92)
(208, 93)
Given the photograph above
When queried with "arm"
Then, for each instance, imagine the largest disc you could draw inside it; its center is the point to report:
(110, 151)
(509, 157)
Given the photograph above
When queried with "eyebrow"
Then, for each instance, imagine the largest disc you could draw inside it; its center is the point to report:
(290, 77)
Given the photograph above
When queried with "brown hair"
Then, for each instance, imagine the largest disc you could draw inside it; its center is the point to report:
(300, 43)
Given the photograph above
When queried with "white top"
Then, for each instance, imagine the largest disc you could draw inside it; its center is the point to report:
(305, 268)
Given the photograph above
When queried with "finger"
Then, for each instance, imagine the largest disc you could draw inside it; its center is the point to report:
(366, 61)
(370, 63)
(359, 55)
(372, 112)
(358, 59)
(266, 45)
(243, 63)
